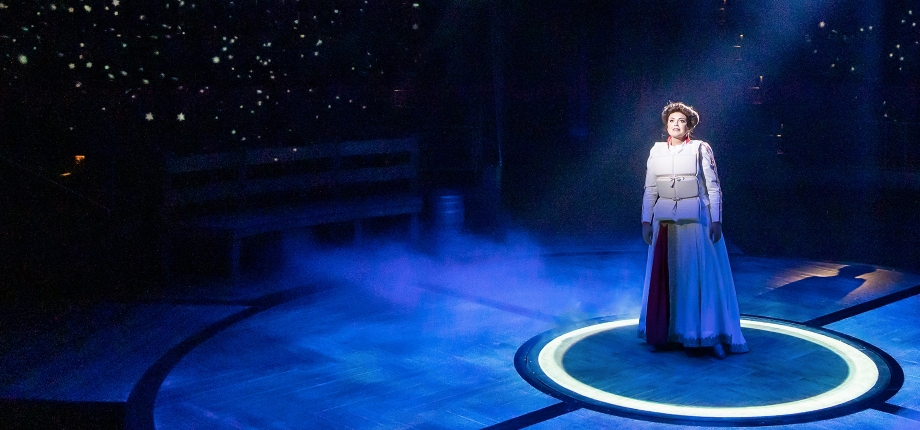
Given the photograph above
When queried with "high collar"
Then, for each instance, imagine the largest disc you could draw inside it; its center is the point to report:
(686, 139)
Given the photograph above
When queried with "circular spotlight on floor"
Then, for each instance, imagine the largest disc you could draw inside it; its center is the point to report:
(794, 373)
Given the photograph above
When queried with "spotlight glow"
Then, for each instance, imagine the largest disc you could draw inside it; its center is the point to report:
(862, 376)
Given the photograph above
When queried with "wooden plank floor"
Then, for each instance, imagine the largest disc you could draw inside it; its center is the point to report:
(94, 354)
(783, 369)
(866, 420)
(395, 338)
(412, 341)
(893, 328)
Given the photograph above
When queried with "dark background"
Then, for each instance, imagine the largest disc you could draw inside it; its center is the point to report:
(543, 109)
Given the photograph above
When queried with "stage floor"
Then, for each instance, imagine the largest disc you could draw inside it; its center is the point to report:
(387, 337)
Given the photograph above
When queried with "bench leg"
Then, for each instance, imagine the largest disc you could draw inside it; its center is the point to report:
(359, 232)
(236, 249)
(414, 228)
(166, 258)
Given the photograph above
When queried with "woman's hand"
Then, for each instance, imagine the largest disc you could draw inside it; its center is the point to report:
(715, 232)
(647, 232)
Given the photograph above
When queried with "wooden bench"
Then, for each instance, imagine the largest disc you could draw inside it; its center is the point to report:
(251, 191)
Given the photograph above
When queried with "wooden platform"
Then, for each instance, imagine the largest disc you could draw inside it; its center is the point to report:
(393, 338)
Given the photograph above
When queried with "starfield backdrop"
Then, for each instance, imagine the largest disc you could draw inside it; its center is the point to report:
(558, 99)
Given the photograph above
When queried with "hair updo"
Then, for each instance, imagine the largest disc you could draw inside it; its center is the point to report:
(693, 118)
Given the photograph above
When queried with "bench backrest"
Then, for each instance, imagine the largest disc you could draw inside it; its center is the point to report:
(251, 178)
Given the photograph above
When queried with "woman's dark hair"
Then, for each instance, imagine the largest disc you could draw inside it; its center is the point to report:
(693, 118)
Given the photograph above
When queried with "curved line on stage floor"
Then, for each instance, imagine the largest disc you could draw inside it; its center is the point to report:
(806, 374)
(139, 408)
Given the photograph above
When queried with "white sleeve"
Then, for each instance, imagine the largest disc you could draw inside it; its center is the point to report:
(650, 196)
(711, 180)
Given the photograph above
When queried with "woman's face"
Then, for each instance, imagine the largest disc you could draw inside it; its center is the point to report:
(677, 126)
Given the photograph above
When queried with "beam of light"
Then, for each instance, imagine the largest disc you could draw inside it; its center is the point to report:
(862, 377)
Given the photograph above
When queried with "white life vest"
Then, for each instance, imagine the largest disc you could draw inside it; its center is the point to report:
(678, 182)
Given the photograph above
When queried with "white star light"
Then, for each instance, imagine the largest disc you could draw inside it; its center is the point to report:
(115, 2)
(149, 116)
(181, 117)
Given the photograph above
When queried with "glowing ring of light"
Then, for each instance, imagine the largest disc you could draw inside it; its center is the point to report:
(862, 377)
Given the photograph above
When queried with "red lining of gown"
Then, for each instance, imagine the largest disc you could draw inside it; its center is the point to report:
(658, 309)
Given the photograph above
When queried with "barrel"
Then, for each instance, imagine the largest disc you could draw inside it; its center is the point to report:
(447, 211)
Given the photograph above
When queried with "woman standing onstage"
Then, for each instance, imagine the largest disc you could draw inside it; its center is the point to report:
(689, 295)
